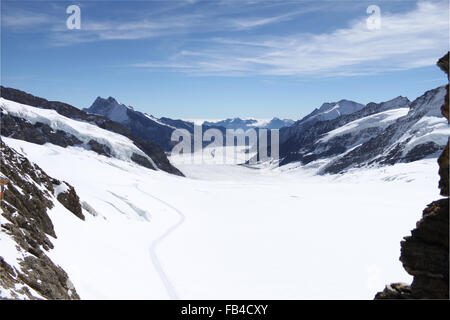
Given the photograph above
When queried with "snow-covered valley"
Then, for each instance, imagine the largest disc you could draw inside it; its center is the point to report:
(231, 232)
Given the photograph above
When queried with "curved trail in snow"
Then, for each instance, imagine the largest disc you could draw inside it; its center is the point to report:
(165, 279)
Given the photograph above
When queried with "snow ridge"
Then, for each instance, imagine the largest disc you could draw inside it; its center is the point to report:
(121, 147)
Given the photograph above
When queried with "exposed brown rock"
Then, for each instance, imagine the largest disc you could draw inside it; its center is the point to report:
(443, 159)
(395, 291)
(444, 171)
(39, 133)
(141, 160)
(101, 149)
(28, 196)
(71, 201)
(425, 252)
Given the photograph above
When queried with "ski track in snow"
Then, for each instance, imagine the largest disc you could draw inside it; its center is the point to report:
(156, 263)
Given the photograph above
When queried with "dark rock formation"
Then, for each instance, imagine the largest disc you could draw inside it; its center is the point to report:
(100, 148)
(443, 159)
(70, 200)
(39, 133)
(425, 252)
(23, 215)
(395, 291)
(141, 160)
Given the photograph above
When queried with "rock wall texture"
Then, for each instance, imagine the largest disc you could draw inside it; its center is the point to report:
(425, 252)
(26, 272)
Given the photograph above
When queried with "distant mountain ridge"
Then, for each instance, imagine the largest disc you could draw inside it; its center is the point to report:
(394, 131)
(158, 130)
(245, 124)
(332, 110)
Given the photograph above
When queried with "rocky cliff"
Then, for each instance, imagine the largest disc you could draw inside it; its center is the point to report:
(425, 252)
(26, 271)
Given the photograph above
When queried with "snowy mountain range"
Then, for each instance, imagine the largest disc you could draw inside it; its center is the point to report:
(385, 133)
(245, 124)
(332, 110)
(159, 130)
(99, 174)
(37, 120)
(141, 124)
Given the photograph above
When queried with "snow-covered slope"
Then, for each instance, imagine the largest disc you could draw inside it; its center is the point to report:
(384, 133)
(378, 121)
(40, 133)
(231, 232)
(141, 124)
(120, 146)
(332, 110)
(27, 232)
(423, 132)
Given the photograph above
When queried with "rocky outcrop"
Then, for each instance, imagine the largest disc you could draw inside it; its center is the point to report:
(425, 252)
(141, 160)
(70, 200)
(395, 291)
(39, 133)
(30, 193)
(443, 159)
(100, 148)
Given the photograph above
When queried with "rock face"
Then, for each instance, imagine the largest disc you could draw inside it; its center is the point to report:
(26, 272)
(100, 148)
(39, 133)
(395, 291)
(425, 252)
(152, 150)
(443, 159)
(70, 200)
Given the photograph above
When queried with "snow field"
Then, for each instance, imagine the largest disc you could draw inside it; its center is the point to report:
(232, 232)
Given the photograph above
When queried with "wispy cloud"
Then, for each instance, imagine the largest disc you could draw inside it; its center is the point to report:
(405, 40)
(255, 22)
(210, 17)
(25, 20)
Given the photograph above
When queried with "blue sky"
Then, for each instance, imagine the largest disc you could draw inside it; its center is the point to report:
(223, 58)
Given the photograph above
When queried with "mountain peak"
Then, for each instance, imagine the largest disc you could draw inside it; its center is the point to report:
(333, 110)
(110, 108)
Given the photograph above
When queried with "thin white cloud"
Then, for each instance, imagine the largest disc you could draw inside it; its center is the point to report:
(255, 22)
(205, 19)
(406, 40)
(23, 19)
(249, 23)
